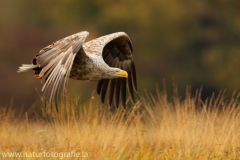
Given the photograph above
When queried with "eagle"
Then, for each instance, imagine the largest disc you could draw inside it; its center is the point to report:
(107, 59)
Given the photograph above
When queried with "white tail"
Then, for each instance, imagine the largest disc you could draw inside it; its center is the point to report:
(26, 67)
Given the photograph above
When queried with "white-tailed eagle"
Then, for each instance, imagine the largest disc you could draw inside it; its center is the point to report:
(107, 59)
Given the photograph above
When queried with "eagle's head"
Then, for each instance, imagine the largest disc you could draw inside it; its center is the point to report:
(117, 73)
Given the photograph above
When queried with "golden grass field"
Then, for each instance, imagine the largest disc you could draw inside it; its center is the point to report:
(157, 128)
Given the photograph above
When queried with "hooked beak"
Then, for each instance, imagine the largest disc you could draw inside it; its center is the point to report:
(122, 73)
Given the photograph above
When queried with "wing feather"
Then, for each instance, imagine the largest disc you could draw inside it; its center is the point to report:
(130, 87)
(116, 51)
(123, 92)
(56, 61)
(133, 76)
(99, 86)
(104, 89)
(111, 91)
(117, 92)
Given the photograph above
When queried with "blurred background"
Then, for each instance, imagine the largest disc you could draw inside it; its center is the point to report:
(190, 43)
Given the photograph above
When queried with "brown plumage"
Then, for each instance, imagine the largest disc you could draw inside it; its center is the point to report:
(107, 59)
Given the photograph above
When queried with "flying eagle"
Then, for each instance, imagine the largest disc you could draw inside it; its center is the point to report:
(107, 59)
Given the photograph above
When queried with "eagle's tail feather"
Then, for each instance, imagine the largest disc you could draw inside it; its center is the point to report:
(26, 67)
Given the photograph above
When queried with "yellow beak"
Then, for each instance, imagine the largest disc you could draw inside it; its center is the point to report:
(122, 73)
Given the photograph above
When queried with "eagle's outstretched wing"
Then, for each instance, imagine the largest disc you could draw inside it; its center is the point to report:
(55, 62)
(116, 50)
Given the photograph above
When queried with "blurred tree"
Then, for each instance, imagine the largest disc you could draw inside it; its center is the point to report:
(193, 42)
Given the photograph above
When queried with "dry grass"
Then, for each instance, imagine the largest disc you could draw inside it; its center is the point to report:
(155, 128)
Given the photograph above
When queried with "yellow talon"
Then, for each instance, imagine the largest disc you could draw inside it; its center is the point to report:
(38, 76)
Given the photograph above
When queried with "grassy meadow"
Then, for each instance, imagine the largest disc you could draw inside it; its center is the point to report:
(158, 127)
